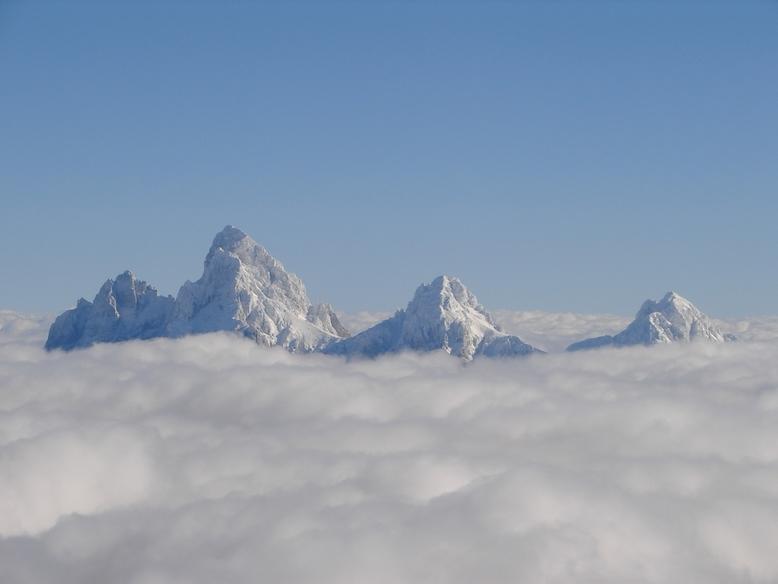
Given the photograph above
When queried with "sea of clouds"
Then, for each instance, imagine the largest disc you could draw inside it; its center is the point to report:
(210, 459)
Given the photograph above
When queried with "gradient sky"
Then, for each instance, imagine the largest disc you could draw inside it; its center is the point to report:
(554, 155)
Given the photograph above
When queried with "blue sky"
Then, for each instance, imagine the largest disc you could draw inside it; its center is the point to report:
(554, 155)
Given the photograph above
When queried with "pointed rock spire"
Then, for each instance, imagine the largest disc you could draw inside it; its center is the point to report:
(124, 308)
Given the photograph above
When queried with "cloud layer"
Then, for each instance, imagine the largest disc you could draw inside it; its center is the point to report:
(22, 328)
(210, 459)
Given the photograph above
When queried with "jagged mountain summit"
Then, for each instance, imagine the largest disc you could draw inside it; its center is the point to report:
(243, 289)
(125, 308)
(443, 315)
(672, 319)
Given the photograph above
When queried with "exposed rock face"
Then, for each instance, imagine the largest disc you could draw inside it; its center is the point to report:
(124, 308)
(672, 319)
(243, 289)
(443, 315)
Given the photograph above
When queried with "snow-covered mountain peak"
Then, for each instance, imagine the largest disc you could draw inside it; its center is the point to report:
(243, 289)
(236, 263)
(233, 242)
(674, 318)
(671, 319)
(443, 315)
(672, 302)
(123, 291)
(124, 308)
(674, 297)
(446, 291)
(228, 238)
(448, 301)
(444, 284)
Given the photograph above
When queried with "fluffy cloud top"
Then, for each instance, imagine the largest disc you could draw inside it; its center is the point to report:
(210, 459)
(555, 331)
(23, 329)
(356, 322)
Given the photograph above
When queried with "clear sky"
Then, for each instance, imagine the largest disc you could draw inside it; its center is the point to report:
(554, 155)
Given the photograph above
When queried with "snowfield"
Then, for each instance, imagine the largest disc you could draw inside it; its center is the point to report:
(212, 459)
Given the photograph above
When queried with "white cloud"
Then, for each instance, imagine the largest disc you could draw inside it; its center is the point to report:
(758, 329)
(555, 331)
(210, 459)
(356, 322)
(22, 328)
(80, 469)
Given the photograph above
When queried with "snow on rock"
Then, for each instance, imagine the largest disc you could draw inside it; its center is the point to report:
(243, 289)
(443, 315)
(672, 319)
(124, 308)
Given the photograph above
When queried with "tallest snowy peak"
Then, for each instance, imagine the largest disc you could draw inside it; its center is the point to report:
(229, 239)
(449, 287)
(234, 242)
(228, 236)
(243, 289)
